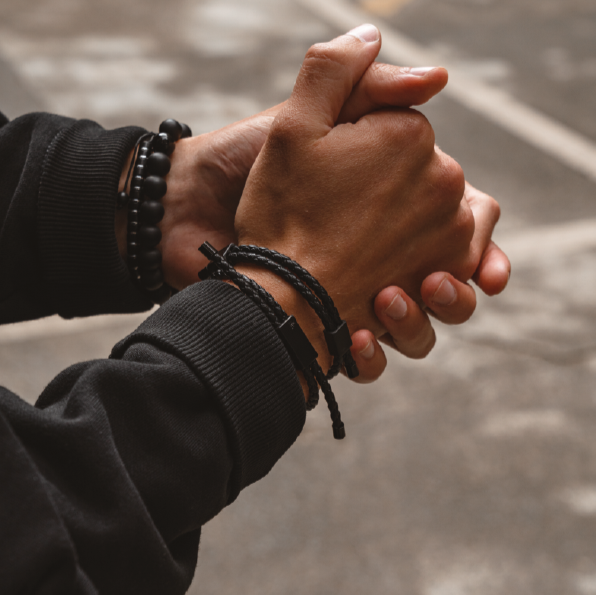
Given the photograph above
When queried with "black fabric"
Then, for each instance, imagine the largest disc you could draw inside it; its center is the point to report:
(82, 268)
(106, 483)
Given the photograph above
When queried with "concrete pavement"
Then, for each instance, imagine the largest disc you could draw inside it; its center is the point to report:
(473, 471)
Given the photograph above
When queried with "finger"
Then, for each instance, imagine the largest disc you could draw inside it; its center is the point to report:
(385, 86)
(368, 355)
(492, 275)
(486, 213)
(450, 300)
(328, 74)
(409, 328)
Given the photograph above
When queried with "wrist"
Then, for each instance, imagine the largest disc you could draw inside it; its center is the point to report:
(294, 305)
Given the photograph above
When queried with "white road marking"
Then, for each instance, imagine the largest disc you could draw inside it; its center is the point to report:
(522, 423)
(535, 244)
(581, 499)
(498, 106)
(54, 326)
(586, 584)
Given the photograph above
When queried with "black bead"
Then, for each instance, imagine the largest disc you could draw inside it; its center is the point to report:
(149, 236)
(136, 277)
(150, 267)
(133, 261)
(150, 258)
(162, 138)
(133, 215)
(132, 248)
(134, 204)
(186, 131)
(159, 165)
(152, 212)
(172, 128)
(152, 280)
(139, 170)
(163, 144)
(122, 200)
(133, 226)
(132, 237)
(155, 187)
(137, 181)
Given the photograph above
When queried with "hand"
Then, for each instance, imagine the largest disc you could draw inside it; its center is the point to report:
(220, 162)
(209, 172)
(452, 302)
(379, 224)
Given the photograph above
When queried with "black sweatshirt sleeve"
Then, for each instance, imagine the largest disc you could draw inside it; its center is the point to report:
(58, 252)
(106, 483)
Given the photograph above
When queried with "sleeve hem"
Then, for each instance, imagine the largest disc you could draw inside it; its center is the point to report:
(81, 266)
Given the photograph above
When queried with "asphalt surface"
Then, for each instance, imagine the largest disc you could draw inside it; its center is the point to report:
(473, 471)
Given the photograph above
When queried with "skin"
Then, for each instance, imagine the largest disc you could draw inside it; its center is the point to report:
(363, 205)
(209, 174)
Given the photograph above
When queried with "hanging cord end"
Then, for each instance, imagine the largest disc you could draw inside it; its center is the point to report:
(339, 431)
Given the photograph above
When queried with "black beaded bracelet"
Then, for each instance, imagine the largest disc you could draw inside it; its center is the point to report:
(150, 164)
(303, 354)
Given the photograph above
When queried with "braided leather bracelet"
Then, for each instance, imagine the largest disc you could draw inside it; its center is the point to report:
(303, 354)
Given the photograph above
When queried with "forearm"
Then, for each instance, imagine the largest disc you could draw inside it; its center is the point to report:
(127, 458)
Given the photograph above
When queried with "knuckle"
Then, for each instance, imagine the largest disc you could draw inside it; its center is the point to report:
(320, 56)
(465, 226)
(317, 50)
(284, 132)
(494, 209)
(429, 346)
(414, 337)
(451, 179)
(416, 126)
(421, 344)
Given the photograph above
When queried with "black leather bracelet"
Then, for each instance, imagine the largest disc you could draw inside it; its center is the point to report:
(150, 164)
(303, 354)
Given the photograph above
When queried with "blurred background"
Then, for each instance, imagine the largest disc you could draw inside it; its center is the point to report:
(473, 471)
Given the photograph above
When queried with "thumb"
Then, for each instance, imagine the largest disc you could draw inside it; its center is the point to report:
(384, 86)
(329, 73)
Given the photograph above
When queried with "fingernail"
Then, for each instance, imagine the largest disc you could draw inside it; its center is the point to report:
(445, 294)
(369, 351)
(421, 70)
(397, 309)
(366, 33)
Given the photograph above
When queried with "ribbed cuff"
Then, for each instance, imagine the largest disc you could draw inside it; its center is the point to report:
(81, 265)
(236, 353)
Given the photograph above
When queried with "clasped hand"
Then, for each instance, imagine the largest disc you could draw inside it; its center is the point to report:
(345, 179)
